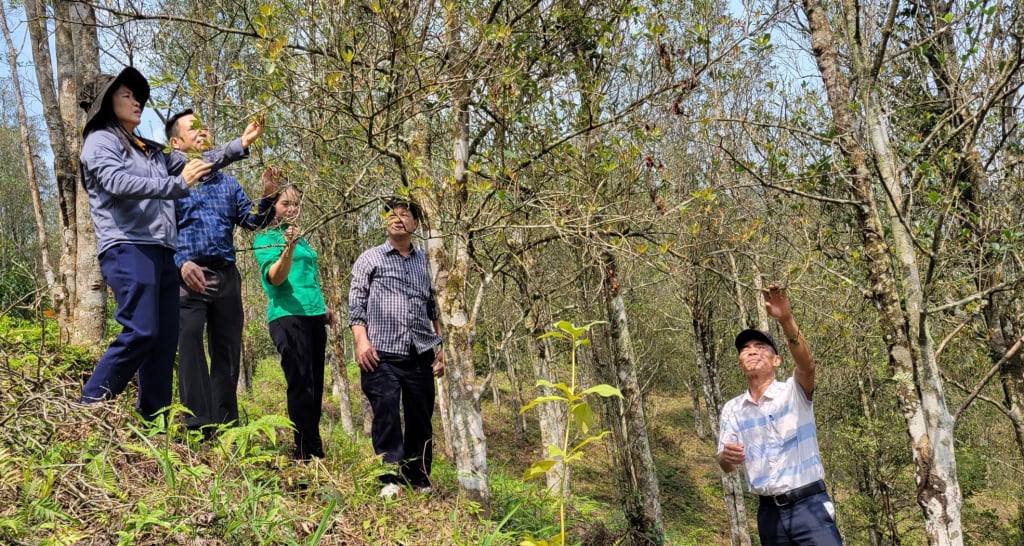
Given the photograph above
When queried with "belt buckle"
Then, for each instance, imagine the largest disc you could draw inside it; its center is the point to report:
(784, 502)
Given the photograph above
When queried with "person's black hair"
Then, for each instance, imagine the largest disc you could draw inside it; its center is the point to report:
(130, 141)
(171, 127)
(286, 186)
(412, 207)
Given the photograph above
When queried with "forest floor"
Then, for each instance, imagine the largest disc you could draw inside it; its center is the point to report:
(93, 475)
(691, 493)
(74, 475)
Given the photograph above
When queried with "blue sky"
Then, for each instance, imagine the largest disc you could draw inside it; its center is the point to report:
(151, 126)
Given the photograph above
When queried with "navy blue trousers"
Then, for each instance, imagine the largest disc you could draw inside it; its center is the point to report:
(406, 381)
(144, 281)
(807, 522)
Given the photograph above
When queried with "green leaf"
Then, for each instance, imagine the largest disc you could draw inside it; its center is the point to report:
(576, 448)
(570, 328)
(604, 390)
(560, 386)
(555, 453)
(553, 334)
(538, 469)
(583, 415)
(541, 400)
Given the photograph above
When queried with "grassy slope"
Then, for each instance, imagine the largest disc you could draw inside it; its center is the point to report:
(70, 475)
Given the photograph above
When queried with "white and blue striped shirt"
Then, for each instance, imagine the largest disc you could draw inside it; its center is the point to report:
(779, 438)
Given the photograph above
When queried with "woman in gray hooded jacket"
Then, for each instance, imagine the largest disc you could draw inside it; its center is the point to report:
(132, 184)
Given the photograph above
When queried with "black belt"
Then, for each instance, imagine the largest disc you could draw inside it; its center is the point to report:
(793, 495)
(215, 264)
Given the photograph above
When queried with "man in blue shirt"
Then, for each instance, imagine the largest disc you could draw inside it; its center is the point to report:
(397, 329)
(210, 296)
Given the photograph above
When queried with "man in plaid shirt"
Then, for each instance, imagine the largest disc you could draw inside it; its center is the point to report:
(394, 319)
(210, 293)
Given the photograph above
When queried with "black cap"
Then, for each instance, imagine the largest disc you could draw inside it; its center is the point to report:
(751, 334)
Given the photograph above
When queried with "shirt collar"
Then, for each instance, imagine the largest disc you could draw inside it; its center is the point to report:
(774, 391)
(389, 249)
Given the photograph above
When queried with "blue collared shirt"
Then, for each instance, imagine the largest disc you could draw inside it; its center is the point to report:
(207, 217)
(391, 295)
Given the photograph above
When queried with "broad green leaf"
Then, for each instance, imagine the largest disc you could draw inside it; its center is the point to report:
(555, 453)
(538, 469)
(559, 335)
(570, 328)
(584, 416)
(574, 457)
(560, 386)
(604, 390)
(541, 400)
(576, 448)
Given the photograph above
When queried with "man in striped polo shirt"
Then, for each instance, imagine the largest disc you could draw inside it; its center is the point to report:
(770, 431)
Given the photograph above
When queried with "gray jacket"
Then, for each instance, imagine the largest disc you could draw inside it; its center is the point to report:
(132, 193)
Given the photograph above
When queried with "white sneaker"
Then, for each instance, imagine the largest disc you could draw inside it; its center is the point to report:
(389, 490)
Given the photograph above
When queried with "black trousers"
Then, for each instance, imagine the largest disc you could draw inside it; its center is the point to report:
(209, 391)
(406, 381)
(301, 342)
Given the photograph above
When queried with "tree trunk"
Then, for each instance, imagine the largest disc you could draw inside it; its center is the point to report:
(701, 422)
(340, 385)
(247, 367)
(515, 398)
(1001, 325)
(551, 418)
(78, 43)
(444, 414)
(911, 353)
(368, 414)
(707, 365)
(30, 168)
(468, 442)
(65, 165)
(336, 300)
(642, 493)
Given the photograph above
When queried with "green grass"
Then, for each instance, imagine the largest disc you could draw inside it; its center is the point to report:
(93, 475)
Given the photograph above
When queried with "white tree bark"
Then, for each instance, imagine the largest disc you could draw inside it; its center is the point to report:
(707, 365)
(65, 164)
(30, 168)
(77, 42)
(898, 293)
(551, 418)
(642, 495)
